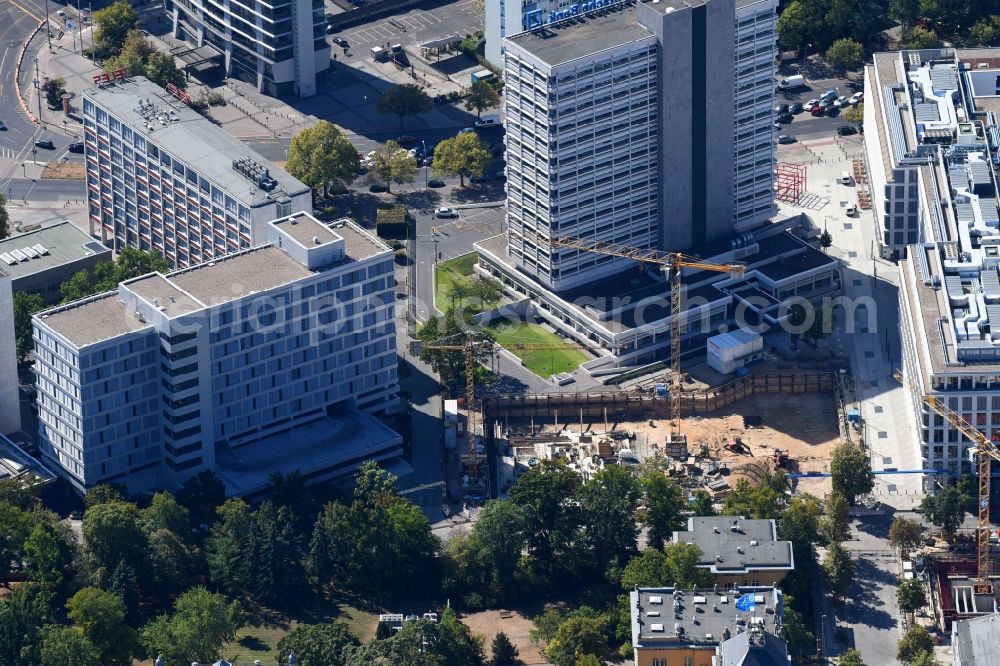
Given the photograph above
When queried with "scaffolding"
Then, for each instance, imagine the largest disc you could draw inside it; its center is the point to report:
(789, 182)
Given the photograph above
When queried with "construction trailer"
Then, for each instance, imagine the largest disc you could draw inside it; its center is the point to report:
(729, 352)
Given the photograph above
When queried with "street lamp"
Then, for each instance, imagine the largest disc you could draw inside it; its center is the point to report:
(24, 170)
(48, 26)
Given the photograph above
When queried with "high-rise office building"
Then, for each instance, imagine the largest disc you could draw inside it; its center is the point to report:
(10, 408)
(932, 136)
(699, 71)
(162, 177)
(277, 45)
(267, 360)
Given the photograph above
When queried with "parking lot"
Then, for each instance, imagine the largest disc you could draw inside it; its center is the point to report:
(410, 29)
(805, 126)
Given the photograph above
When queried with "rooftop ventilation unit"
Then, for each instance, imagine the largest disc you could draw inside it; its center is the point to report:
(254, 172)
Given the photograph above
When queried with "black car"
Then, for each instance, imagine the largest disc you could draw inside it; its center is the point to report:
(781, 108)
(341, 42)
(785, 118)
(75, 147)
(786, 138)
(796, 108)
(435, 182)
(47, 145)
(846, 130)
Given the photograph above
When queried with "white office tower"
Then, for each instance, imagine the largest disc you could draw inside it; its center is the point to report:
(10, 411)
(756, 51)
(162, 177)
(271, 359)
(277, 45)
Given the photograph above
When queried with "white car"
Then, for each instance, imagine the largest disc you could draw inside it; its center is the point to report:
(857, 97)
(851, 210)
(811, 103)
(445, 213)
(466, 130)
(841, 102)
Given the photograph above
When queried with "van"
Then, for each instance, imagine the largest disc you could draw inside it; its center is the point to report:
(792, 82)
(845, 178)
(851, 210)
(490, 120)
(379, 54)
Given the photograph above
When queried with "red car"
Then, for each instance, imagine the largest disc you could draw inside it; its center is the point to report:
(818, 110)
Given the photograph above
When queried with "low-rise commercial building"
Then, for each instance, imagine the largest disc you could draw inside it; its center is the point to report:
(162, 177)
(40, 261)
(739, 551)
(270, 359)
(672, 627)
(975, 641)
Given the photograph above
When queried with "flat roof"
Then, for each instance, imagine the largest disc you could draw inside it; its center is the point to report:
(191, 138)
(976, 640)
(583, 35)
(304, 228)
(161, 292)
(92, 320)
(237, 275)
(64, 243)
(716, 538)
(16, 463)
(668, 617)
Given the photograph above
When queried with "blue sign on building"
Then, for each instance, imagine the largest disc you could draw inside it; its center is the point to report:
(534, 18)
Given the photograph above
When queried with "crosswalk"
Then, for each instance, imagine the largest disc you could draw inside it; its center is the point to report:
(8, 153)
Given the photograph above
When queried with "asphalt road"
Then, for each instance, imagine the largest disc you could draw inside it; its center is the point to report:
(21, 189)
(806, 126)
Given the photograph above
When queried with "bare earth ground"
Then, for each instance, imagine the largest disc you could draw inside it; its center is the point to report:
(512, 623)
(804, 424)
(64, 171)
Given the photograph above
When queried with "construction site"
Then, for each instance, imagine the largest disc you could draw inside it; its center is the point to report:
(739, 429)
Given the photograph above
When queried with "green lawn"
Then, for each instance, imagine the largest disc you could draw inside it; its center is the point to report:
(447, 273)
(261, 641)
(543, 362)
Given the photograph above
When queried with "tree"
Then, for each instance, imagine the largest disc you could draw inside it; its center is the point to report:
(906, 12)
(835, 525)
(675, 565)
(113, 24)
(101, 617)
(111, 534)
(227, 548)
(915, 641)
(323, 158)
(275, 568)
(985, 32)
(919, 37)
(800, 524)
(106, 275)
(162, 69)
(133, 56)
(905, 534)
(462, 155)
(793, 28)
(910, 596)
(372, 483)
(499, 539)
(945, 510)
(925, 658)
(850, 658)
(125, 585)
(838, 569)
(196, 630)
(825, 239)
(318, 644)
(851, 471)
(482, 96)
(25, 305)
(845, 54)
(165, 513)
(21, 614)
(663, 501)
(201, 494)
(610, 499)
(171, 561)
(577, 636)
(4, 218)
(104, 493)
(450, 364)
(855, 114)
(503, 651)
(757, 501)
(801, 641)
(15, 528)
(48, 552)
(487, 290)
(54, 90)
(702, 504)
(404, 100)
(66, 646)
(392, 164)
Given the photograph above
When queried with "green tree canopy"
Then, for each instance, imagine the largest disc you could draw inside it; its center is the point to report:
(318, 644)
(66, 646)
(392, 164)
(945, 510)
(905, 534)
(755, 501)
(404, 100)
(906, 12)
(609, 500)
(850, 658)
(910, 596)
(800, 524)
(134, 53)
(503, 651)
(835, 524)
(675, 565)
(663, 500)
(25, 305)
(702, 504)
(323, 158)
(915, 641)
(838, 569)
(851, 471)
(576, 637)
(112, 533)
(919, 37)
(4, 218)
(462, 155)
(985, 32)
(161, 69)
(113, 24)
(196, 630)
(104, 493)
(845, 53)
(100, 615)
(106, 275)
(201, 494)
(164, 512)
(48, 552)
(482, 96)
(855, 114)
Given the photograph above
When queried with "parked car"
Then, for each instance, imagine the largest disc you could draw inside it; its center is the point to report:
(445, 213)
(406, 139)
(466, 130)
(851, 210)
(857, 97)
(830, 94)
(785, 118)
(427, 161)
(781, 108)
(3, 125)
(811, 103)
(841, 101)
(795, 108)
(46, 144)
(76, 147)
(341, 42)
(377, 187)
(818, 110)
(786, 138)
(846, 130)
(435, 182)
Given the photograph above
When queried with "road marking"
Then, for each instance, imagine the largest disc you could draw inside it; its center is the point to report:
(26, 11)
(8, 153)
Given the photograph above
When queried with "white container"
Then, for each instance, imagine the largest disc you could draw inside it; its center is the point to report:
(726, 352)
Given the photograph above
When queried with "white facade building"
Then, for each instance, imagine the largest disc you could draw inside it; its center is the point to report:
(277, 45)
(162, 177)
(924, 112)
(10, 409)
(262, 361)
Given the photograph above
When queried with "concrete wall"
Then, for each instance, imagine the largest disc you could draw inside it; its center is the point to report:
(10, 414)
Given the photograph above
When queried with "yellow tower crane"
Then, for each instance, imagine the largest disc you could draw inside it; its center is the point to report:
(674, 262)
(986, 452)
